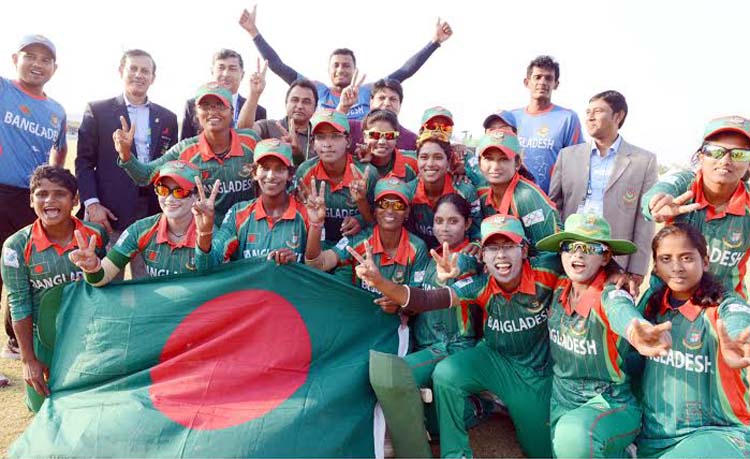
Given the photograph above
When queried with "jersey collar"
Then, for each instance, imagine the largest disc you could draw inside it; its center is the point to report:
(162, 236)
(506, 199)
(736, 205)
(404, 253)
(289, 213)
(420, 195)
(207, 154)
(590, 297)
(690, 310)
(527, 285)
(42, 243)
(320, 173)
(457, 249)
(398, 169)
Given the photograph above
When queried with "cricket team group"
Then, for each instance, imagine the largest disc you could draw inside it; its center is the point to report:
(600, 336)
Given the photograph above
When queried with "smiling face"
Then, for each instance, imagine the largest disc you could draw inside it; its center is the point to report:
(173, 208)
(679, 265)
(387, 216)
(228, 73)
(35, 65)
(449, 225)
(382, 149)
(340, 69)
(272, 176)
(137, 74)
(432, 162)
(213, 115)
(52, 202)
(497, 168)
(601, 121)
(581, 267)
(503, 259)
(724, 171)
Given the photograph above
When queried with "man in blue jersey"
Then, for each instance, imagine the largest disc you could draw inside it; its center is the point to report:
(342, 66)
(32, 133)
(544, 128)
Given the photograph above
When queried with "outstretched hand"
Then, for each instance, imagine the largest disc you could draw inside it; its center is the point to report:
(736, 352)
(247, 21)
(650, 340)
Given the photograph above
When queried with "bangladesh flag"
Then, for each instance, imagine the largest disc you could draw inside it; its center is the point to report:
(251, 360)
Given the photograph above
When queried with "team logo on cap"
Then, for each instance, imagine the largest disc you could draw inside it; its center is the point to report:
(736, 120)
(393, 181)
(497, 135)
(589, 225)
(327, 114)
(213, 85)
(499, 219)
(178, 165)
(273, 142)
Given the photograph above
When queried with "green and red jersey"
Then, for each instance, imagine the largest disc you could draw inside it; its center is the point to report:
(692, 388)
(524, 200)
(248, 232)
(727, 232)
(441, 326)
(515, 324)
(403, 166)
(32, 264)
(407, 267)
(149, 238)
(339, 203)
(587, 341)
(233, 170)
(422, 213)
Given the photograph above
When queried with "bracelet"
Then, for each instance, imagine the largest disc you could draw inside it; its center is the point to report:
(315, 225)
(205, 234)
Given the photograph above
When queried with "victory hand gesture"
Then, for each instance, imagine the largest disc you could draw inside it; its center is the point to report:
(358, 186)
(447, 264)
(258, 79)
(247, 21)
(85, 256)
(123, 139)
(350, 94)
(664, 207)
(648, 339)
(316, 203)
(443, 32)
(204, 209)
(290, 136)
(366, 270)
(736, 352)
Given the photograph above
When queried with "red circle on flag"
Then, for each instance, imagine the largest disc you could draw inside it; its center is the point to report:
(234, 359)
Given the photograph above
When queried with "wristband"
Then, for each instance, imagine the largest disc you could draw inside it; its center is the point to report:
(315, 225)
(209, 233)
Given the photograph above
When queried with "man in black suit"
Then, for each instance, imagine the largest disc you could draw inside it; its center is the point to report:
(227, 69)
(108, 195)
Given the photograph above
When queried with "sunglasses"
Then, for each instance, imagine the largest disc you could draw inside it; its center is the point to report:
(588, 248)
(391, 204)
(372, 134)
(178, 193)
(717, 152)
(437, 126)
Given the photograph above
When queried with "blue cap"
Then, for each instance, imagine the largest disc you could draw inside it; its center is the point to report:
(506, 116)
(37, 40)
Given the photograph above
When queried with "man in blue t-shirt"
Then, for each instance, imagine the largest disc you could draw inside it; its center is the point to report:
(342, 66)
(32, 128)
(544, 128)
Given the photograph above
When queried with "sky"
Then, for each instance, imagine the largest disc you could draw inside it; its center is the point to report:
(678, 63)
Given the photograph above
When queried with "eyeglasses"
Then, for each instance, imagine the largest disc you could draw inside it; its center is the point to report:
(494, 249)
(178, 193)
(330, 136)
(588, 248)
(396, 205)
(717, 152)
(213, 106)
(437, 126)
(373, 134)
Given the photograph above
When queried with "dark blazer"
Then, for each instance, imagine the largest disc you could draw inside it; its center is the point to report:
(97, 171)
(190, 126)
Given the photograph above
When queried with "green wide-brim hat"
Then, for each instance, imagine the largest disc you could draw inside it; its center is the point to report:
(587, 228)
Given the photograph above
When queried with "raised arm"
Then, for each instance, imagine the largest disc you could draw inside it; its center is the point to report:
(443, 32)
(247, 21)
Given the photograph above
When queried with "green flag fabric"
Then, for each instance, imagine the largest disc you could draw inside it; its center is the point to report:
(250, 360)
